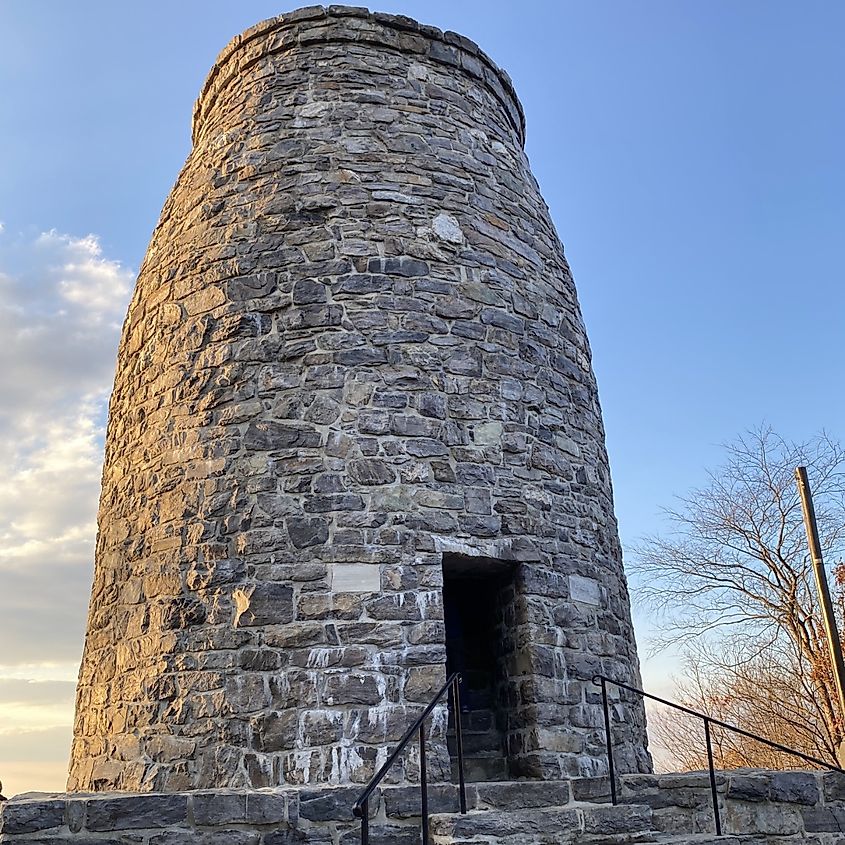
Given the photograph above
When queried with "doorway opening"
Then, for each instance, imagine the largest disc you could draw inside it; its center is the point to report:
(478, 596)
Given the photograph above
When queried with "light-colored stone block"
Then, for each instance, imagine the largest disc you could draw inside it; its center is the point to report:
(356, 578)
(488, 434)
(584, 590)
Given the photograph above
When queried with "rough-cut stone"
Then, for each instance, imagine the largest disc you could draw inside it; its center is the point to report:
(752, 787)
(215, 808)
(307, 531)
(795, 787)
(447, 228)
(32, 816)
(525, 812)
(754, 803)
(131, 812)
(263, 604)
(354, 347)
(610, 819)
(833, 786)
(323, 805)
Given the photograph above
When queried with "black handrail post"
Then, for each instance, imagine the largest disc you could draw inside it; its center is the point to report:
(459, 742)
(726, 725)
(602, 681)
(365, 822)
(423, 786)
(609, 740)
(359, 808)
(712, 777)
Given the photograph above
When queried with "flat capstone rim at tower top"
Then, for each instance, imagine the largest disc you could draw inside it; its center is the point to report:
(446, 47)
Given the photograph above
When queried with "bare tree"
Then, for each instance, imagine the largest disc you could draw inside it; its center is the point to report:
(733, 582)
(768, 696)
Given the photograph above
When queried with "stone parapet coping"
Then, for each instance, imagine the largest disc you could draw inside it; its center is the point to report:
(339, 24)
(764, 806)
(156, 818)
(78, 817)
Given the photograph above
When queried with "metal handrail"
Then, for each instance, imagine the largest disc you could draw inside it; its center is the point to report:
(603, 681)
(361, 807)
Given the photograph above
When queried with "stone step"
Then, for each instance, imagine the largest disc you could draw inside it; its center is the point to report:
(478, 698)
(380, 834)
(475, 742)
(577, 823)
(403, 802)
(482, 767)
(738, 839)
(475, 720)
(518, 794)
(708, 839)
(594, 790)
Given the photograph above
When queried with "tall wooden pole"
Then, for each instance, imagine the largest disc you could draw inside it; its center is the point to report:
(833, 641)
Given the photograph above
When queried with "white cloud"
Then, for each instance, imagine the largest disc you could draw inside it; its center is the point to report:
(44, 670)
(99, 287)
(16, 691)
(61, 306)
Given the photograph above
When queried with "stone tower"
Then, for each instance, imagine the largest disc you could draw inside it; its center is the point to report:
(354, 437)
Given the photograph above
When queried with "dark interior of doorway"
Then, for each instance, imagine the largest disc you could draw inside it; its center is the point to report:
(476, 594)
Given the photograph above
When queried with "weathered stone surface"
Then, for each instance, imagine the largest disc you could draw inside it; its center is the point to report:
(833, 786)
(794, 787)
(447, 228)
(766, 819)
(527, 812)
(31, 816)
(521, 795)
(594, 789)
(824, 819)
(266, 808)
(352, 688)
(305, 531)
(749, 787)
(618, 819)
(286, 836)
(526, 826)
(325, 805)
(389, 834)
(354, 347)
(216, 808)
(369, 472)
(263, 604)
(754, 803)
(206, 837)
(136, 812)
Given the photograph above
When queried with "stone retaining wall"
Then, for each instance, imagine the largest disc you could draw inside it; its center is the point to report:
(770, 807)
(276, 817)
(322, 816)
(794, 803)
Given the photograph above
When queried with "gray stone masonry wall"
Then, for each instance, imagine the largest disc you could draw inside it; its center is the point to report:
(778, 808)
(758, 802)
(354, 346)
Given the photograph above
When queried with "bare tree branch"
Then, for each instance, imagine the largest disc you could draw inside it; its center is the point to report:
(732, 584)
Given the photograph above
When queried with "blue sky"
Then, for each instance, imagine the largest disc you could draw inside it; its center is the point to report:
(691, 155)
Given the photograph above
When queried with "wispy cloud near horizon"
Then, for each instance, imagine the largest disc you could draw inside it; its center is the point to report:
(61, 306)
